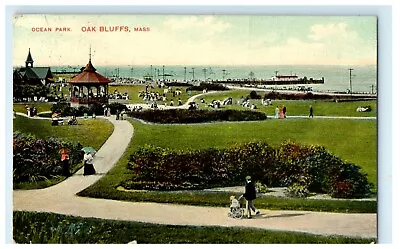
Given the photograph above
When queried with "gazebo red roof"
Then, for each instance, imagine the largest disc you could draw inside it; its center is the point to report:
(89, 75)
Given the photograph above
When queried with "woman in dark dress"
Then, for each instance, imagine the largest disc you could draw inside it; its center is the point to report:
(88, 168)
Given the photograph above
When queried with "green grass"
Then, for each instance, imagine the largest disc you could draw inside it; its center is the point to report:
(352, 140)
(133, 92)
(41, 107)
(294, 107)
(90, 132)
(50, 228)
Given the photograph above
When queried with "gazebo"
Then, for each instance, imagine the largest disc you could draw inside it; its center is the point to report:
(88, 87)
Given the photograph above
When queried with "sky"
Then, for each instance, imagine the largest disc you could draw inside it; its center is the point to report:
(195, 40)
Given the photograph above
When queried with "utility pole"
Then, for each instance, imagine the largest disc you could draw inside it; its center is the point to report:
(351, 87)
(163, 74)
(193, 72)
(185, 73)
(205, 74)
(372, 89)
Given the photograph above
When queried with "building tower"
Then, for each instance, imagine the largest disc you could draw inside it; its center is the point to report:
(29, 60)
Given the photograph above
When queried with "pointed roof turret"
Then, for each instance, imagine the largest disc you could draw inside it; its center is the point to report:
(29, 60)
(89, 67)
(89, 75)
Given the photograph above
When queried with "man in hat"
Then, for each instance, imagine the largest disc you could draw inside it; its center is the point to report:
(250, 196)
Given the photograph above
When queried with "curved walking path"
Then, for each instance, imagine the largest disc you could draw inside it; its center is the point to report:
(62, 199)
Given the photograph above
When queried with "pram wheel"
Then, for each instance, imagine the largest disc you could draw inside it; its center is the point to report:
(237, 213)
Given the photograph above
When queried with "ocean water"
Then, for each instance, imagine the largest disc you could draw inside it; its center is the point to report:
(337, 78)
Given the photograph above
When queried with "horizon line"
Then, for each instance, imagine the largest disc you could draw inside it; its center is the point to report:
(194, 65)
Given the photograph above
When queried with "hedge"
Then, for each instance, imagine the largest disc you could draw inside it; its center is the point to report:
(66, 110)
(196, 116)
(290, 164)
(208, 86)
(39, 159)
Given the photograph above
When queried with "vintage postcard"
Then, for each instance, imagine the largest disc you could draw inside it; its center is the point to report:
(160, 129)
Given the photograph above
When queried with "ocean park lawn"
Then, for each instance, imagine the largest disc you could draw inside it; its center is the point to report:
(354, 141)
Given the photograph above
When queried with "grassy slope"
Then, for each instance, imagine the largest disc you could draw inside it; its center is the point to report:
(91, 132)
(41, 107)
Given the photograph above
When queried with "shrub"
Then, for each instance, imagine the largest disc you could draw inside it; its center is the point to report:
(196, 116)
(254, 95)
(178, 84)
(302, 168)
(208, 86)
(159, 168)
(39, 159)
(114, 106)
(260, 187)
(297, 190)
(348, 181)
(66, 110)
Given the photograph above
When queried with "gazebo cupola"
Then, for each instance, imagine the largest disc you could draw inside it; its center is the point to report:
(88, 87)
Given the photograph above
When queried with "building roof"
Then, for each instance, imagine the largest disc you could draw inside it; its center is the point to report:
(36, 72)
(41, 72)
(89, 75)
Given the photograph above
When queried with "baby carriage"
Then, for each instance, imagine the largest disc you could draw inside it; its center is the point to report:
(235, 210)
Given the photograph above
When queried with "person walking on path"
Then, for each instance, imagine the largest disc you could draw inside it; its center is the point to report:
(117, 114)
(284, 111)
(311, 115)
(276, 112)
(250, 196)
(281, 113)
(88, 167)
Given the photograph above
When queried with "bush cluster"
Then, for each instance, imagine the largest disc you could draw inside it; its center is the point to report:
(177, 84)
(20, 91)
(254, 95)
(37, 159)
(66, 110)
(298, 96)
(196, 116)
(301, 168)
(208, 86)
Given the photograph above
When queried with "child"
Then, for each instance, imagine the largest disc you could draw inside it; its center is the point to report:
(234, 203)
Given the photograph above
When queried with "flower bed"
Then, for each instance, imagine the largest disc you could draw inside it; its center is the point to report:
(291, 165)
(196, 116)
(39, 159)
